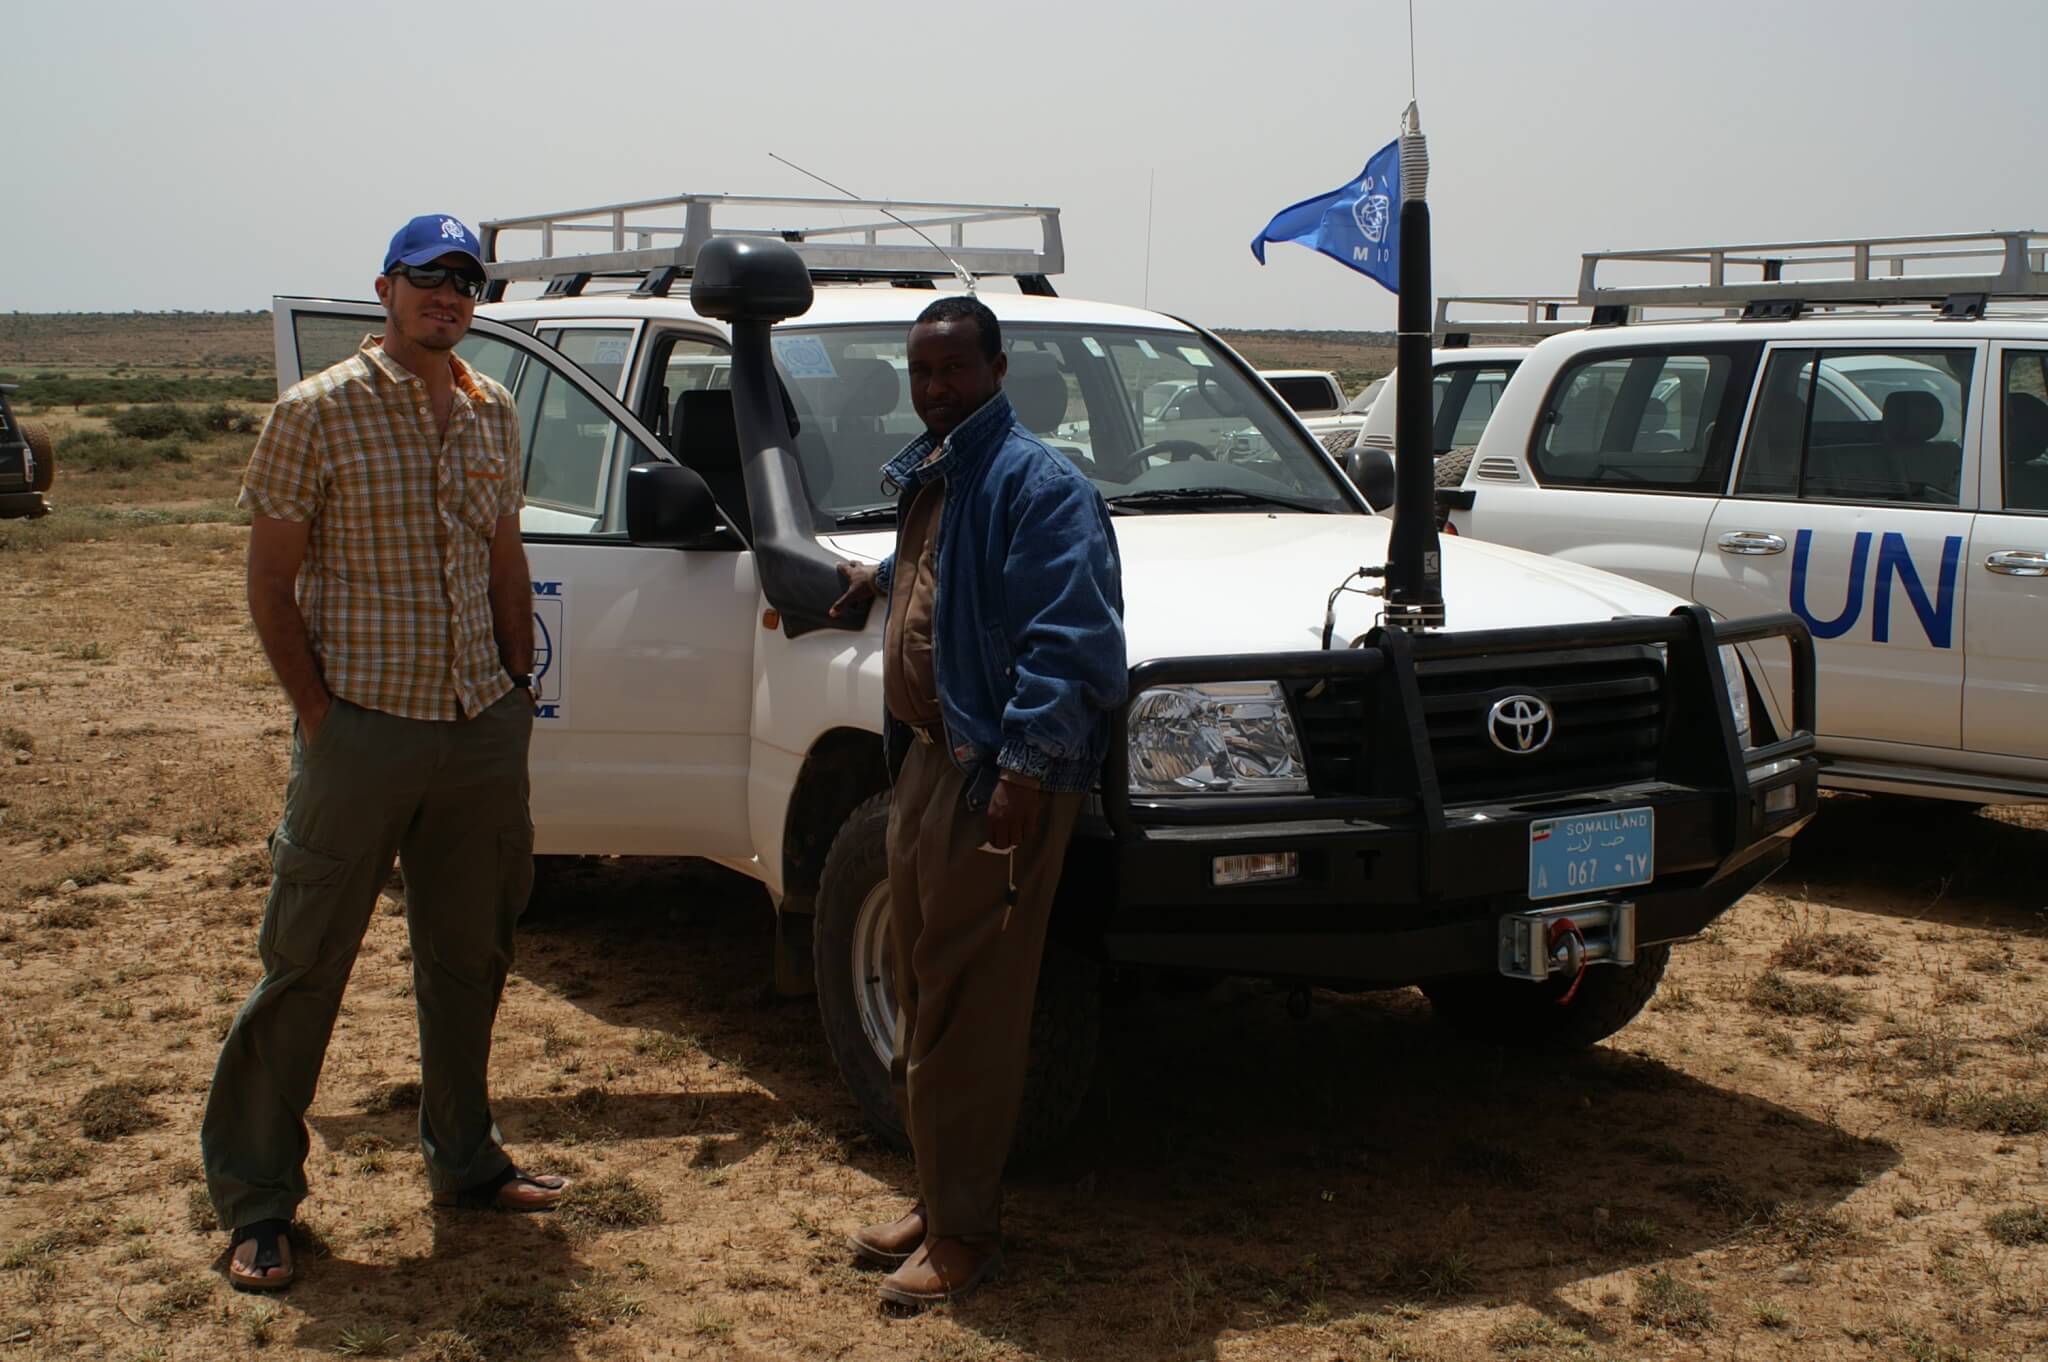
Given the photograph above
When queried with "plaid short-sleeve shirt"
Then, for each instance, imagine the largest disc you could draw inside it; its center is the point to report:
(395, 586)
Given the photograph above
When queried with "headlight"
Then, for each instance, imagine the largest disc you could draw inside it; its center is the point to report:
(1738, 692)
(1220, 738)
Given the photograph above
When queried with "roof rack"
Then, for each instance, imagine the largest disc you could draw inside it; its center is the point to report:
(647, 240)
(1882, 271)
(1541, 315)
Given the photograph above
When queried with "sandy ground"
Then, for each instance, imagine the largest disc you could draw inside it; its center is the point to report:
(1824, 1140)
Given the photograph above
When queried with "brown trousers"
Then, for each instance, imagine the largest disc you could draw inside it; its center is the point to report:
(964, 982)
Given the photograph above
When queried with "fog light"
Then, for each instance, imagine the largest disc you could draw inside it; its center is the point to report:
(1225, 871)
(1782, 800)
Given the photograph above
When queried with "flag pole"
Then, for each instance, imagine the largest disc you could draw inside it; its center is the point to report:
(1415, 595)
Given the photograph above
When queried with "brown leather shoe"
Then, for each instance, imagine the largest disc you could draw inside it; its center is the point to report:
(943, 1270)
(892, 1244)
(510, 1190)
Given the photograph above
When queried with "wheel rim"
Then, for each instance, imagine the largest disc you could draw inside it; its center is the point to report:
(874, 974)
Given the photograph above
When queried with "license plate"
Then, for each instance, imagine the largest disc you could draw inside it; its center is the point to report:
(1588, 852)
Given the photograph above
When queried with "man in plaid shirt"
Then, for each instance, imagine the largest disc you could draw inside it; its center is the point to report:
(389, 587)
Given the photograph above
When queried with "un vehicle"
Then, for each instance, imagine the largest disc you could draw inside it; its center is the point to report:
(1859, 438)
(1521, 812)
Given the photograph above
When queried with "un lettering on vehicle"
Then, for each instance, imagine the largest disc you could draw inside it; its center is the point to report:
(550, 648)
(1935, 610)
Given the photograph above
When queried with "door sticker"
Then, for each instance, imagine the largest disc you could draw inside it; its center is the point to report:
(1936, 612)
(550, 647)
(803, 356)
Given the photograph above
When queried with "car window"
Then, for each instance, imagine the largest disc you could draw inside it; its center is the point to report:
(1307, 394)
(1137, 411)
(1875, 426)
(600, 352)
(2025, 430)
(1471, 390)
(1643, 421)
(572, 449)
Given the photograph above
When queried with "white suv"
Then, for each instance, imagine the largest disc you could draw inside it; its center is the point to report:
(1882, 475)
(1564, 778)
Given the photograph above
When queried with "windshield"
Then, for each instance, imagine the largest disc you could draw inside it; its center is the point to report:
(1139, 412)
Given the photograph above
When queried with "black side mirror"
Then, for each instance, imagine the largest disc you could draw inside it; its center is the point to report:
(750, 279)
(669, 507)
(1371, 470)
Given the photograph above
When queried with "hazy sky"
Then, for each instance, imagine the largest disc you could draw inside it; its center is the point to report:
(209, 154)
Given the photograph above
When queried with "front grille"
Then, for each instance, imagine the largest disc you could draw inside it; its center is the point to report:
(1607, 706)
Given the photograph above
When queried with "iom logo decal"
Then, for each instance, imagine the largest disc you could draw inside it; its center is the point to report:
(550, 643)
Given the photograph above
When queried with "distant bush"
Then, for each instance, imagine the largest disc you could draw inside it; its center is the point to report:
(159, 421)
(99, 450)
(60, 390)
(234, 420)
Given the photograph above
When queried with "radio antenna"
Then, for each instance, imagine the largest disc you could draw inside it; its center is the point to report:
(966, 279)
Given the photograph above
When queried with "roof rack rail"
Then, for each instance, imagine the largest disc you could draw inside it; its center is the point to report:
(1881, 271)
(647, 240)
(1542, 314)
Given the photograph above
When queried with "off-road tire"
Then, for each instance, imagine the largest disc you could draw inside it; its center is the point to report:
(1337, 441)
(1066, 1022)
(37, 436)
(1451, 465)
(1450, 472)
(1497, 1010)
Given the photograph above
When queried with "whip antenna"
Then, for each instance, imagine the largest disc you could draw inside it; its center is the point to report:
(966, 279)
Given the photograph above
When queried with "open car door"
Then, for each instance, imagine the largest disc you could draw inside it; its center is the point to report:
(643, 657)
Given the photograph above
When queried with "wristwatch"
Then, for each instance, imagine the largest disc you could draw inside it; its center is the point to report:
(521, 680)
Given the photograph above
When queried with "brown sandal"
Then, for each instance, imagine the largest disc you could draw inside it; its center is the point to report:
(272, 1238)
(491, 1194)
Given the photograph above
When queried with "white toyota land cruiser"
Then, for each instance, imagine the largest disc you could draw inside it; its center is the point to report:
(1519, 813)
(1879, 470)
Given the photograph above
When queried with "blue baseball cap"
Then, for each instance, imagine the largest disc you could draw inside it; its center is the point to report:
(427, 238)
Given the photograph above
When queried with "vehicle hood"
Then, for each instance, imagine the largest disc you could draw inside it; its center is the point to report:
(1221, 582)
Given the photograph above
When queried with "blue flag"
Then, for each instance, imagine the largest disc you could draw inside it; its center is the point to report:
(1358, 224)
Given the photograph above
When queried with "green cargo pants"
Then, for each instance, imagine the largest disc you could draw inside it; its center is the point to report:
(449, 799)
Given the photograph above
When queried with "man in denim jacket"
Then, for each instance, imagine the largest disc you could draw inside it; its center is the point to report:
(1005, 655)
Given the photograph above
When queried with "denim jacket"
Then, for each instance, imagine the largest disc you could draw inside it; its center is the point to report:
(1027, 611)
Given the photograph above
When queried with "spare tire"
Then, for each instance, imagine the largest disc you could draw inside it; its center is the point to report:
(40, 445)
(1337, 441)
(1451, 465)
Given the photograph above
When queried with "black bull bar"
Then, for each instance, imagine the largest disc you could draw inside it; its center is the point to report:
(1404, 788)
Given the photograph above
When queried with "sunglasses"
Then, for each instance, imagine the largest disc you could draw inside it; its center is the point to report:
(431, 277)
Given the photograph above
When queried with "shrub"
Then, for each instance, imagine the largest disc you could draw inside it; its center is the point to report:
(1773, 992)
(162, 420)
(220, 416)
(96, 450)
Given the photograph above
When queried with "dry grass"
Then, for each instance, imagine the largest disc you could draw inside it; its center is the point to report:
(1773, 992)
(612, 1202)
(1832, 953)
(113, 1110)
(1670, 1303)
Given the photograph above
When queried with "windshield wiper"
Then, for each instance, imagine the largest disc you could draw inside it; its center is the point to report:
(868, 515)
(1215, 496)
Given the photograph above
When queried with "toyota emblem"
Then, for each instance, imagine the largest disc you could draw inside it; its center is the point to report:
(1520, 724)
